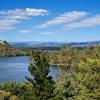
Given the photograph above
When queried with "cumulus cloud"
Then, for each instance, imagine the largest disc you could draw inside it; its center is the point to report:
(9, 18)
(88, 22)
(64, 18)
(25, 31)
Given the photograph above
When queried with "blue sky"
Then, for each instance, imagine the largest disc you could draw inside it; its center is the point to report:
(50, 20)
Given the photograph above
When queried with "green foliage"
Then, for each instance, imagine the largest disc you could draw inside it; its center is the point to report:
(15, 90)
(88, 78)
(83, 83)
(80, 79)
(66, 86)
(67, 58)
(43, 85)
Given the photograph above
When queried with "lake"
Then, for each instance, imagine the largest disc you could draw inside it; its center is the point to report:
(16, 68)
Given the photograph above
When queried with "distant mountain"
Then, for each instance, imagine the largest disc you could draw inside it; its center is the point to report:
(36, 44)
(54, 44)
(7, 50)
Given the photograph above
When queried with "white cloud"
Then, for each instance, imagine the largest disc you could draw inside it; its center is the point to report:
(25, 31)
(23, 13)
(88, 22)
(64, 18)
(47, 33)
(35, 12)
(9, 18)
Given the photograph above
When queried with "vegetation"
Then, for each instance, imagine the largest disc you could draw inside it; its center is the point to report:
(82, 83)
(8, 50)
(42, 84)
(80, 79)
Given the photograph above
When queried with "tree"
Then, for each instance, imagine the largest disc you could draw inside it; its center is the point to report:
(66, 86)
(42, 83)
(88, 79)
(68, 58)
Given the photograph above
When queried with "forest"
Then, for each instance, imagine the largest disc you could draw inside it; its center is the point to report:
(79, 80)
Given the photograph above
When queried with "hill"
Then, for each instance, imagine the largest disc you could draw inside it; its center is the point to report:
(7, 50)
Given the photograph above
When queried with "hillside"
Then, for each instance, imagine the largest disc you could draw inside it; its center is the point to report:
(7, 50)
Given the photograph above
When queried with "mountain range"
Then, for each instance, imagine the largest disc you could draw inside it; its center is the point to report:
(54, 44)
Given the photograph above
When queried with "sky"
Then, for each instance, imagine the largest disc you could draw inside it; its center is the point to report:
(50, 20)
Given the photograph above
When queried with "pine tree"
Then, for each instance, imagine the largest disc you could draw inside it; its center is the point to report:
(43, 84)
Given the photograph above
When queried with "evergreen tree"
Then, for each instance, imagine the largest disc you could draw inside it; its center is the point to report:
(42, 83)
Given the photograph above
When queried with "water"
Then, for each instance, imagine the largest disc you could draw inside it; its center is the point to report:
(16, 68)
